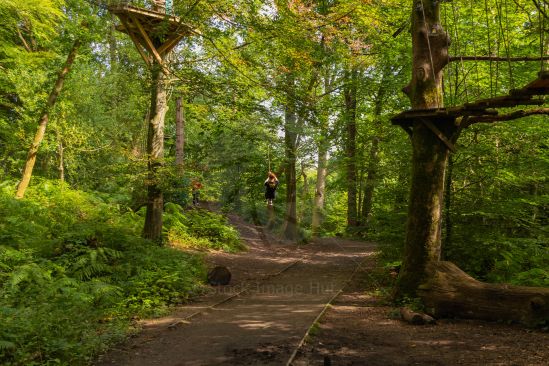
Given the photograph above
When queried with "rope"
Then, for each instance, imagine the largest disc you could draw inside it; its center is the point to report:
(452, 95)
(269, 155)
(459, 51)
(489, 47)
(474, 28)
(509, 44)
(541, 20)
(499, 7)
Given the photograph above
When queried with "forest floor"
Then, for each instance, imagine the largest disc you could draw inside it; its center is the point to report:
(276, 292)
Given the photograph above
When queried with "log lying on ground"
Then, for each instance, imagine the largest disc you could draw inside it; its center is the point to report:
(450, 292)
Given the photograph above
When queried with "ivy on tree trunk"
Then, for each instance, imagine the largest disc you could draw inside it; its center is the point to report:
(430, 156)
(155, 151)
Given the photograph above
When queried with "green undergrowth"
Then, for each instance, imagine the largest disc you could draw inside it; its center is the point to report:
(74, 271)
(199, 229)
(485, 254)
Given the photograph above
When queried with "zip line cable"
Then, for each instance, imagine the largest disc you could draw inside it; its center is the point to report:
(269, 155)
(489, 47)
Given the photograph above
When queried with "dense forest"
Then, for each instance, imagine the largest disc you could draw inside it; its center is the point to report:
(92, 127)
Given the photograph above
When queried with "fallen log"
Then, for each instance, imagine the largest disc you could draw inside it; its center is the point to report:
(450, 292)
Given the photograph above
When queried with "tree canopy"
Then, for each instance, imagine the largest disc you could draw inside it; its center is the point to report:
(305, 89)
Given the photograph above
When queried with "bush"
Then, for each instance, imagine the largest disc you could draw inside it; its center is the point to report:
(74, 272)
(199, 229)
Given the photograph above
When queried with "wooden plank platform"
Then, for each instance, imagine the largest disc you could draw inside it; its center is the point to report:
(154, 23)
(154, 33)
(530, 95)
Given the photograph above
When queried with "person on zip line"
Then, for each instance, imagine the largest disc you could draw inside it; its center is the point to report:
(271, 183)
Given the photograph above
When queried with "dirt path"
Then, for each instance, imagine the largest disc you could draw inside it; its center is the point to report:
(358, 329)
(281, 289)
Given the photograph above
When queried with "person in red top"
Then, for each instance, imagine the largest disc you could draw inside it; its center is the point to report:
(270, 188)
(196, 187)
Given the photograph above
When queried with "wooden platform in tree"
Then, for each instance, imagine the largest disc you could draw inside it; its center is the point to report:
(155, 34)
(485, 109)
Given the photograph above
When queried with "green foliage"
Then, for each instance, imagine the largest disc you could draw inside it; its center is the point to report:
(520, 261)
(72, 266)
(199, 229)
(73, 272)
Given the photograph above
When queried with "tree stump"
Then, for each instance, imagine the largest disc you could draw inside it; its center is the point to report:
(219, 276)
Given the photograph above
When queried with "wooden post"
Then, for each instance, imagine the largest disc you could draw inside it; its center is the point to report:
(159, 6)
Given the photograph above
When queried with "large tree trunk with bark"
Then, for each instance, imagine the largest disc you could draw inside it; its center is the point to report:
(155, 151)
(423, 233)
(42, 123)
(349, 92)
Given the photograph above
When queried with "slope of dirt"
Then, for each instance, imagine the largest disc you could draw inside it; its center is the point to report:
(286, 287)
(359, 330)
(278, 290)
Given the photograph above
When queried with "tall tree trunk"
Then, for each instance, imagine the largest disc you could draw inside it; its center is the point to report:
(179, 135)
(113, 48)
(304, 194)
(320, 187)
(350, 146)
(155, 151)
(373, 161)
(290, 148)
(370, 184)
(61, 157)
(430, 155)
(42, 123)
(322, 161)
(238, 190)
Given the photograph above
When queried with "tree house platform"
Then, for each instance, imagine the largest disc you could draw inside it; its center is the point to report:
(154, 33)
(484, 110)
